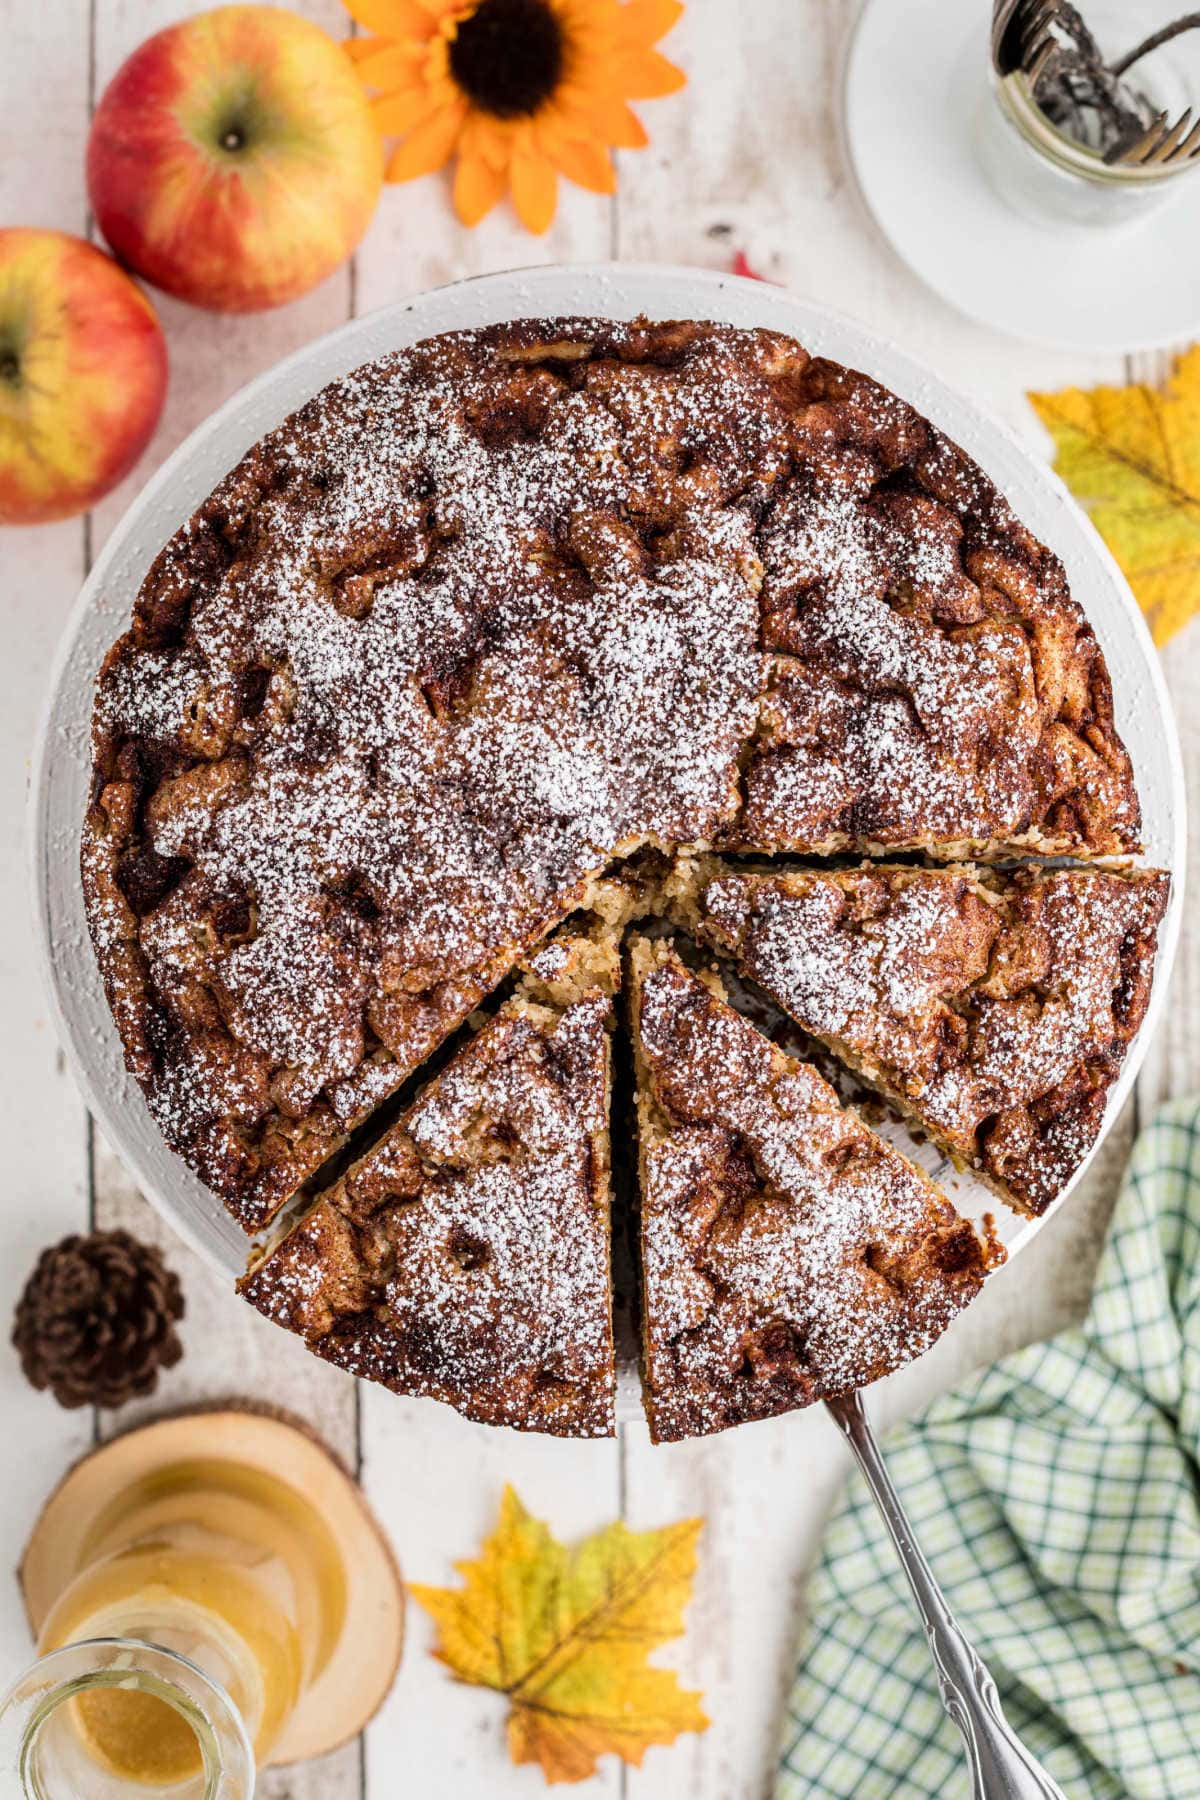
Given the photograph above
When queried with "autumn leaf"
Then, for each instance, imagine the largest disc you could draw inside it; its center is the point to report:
(1131, 456)
(565, 1633)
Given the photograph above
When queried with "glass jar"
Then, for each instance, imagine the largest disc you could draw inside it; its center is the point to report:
(1056, 180)
(114, 1719)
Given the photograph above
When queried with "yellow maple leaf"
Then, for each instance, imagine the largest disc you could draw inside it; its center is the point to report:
(565, 1633)
(1131, 456)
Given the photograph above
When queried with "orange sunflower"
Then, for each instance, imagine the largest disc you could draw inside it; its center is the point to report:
(521, 91)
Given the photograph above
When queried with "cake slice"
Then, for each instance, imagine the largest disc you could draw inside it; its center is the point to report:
(466, 1256)
(995, 1008)
(788, 1253)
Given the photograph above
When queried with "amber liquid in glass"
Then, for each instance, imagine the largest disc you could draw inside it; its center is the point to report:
(224, 1564)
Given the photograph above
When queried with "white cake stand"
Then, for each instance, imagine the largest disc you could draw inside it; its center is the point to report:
(62, 762)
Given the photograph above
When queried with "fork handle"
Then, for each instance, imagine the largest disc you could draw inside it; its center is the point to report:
(1001, 1767)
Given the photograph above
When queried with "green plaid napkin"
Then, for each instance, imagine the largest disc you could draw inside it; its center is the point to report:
(1057, 1496)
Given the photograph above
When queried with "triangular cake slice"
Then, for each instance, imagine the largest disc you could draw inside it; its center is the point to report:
(466, 1256)
(994, 1007)
(788, 1253)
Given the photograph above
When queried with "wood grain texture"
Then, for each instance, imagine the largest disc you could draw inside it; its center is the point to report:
(747, 157)
(232, 1356)
(44, 1123)
(1172, 1066)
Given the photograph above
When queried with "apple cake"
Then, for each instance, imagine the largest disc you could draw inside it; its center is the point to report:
(466, 1256)
(788, 1253)
(447, 685)
(994, 1007)
(488, 613)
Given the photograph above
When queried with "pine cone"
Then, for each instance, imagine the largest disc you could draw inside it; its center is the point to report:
(97, 1319)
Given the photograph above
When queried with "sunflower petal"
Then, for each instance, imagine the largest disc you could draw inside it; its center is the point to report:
(645, 75)
(400, 112)
(587, 164)
(645, 21)
(391, 65)
(477, 187)
(427, 147)
(610, 119)
(359, 48)
(390, 18)
(489, 139)
(534, 189)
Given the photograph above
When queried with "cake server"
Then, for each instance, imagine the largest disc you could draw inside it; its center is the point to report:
(1001, 1767)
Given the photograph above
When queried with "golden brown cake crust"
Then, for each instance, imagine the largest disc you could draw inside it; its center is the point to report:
(492, 611)
(996, 1007)
(466, 1256)
(788, 1253)
(934, 684)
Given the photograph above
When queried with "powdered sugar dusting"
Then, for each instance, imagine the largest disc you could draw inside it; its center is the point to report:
(510, 630)
(467, 1256)
(995, 1009)
(914, 701)
(788, 1253)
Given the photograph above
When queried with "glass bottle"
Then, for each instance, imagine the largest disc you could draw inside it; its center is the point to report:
(112, 1718)
(195, 1616)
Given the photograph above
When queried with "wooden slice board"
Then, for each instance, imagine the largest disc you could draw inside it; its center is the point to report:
(362, 1664)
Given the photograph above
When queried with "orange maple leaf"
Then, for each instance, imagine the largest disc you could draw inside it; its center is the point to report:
(566, 1633)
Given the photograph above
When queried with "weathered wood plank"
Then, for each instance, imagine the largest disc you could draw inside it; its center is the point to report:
(434, 1479)
(750, 157)
(1173, 1064)
(42, 1117)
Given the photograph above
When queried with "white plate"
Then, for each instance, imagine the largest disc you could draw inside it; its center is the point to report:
(916, 83)
(62, 767)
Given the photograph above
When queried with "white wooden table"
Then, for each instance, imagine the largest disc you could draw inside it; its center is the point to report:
(746, 157)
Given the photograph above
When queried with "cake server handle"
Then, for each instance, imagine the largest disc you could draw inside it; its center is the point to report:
(1001, 1767)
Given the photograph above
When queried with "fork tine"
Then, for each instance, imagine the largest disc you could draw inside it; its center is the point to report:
(1166, 148)
(1002, 17)
(1037, 59)
(1190, 147)
(1038, 39)
(1036, 20)
(1142, 148)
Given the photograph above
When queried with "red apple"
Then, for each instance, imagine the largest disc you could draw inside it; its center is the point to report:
(233, 159)
(83, 372)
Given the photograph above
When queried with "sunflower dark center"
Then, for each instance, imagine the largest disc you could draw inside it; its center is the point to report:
(508, 56)
(12, 353)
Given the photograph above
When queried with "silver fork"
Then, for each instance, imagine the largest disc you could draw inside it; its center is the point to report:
(1001, 1767)
(1026, 35)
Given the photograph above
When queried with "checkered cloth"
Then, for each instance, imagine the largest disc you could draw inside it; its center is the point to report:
(1057, 1497)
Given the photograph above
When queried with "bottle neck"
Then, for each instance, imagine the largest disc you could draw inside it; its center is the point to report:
(73, 1724)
